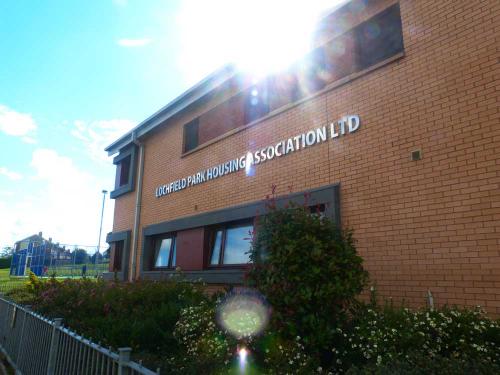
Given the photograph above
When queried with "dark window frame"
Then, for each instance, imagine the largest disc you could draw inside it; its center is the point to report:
(124, 236)
(125, 154)
(393, 32)
(118, 256)
(123, 171)
(224, 227)
(255, 111)
(188, 144)
(157, 240)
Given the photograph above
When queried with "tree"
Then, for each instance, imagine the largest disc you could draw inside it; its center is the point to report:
(80, 256)
(6, 257)
(6, 252)
(107, 253)
(97, 255)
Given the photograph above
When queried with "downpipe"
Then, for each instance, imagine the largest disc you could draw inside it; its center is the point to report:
(138, 204)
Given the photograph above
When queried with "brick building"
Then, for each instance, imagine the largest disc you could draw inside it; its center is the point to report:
(391, 123)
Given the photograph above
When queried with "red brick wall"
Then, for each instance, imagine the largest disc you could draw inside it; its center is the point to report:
(430, 224)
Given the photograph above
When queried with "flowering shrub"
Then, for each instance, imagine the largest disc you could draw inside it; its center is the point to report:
(415, 363)
(210, 349)
(173, 325)
(205, 345)
(141, 315)
(281, 356)
(381, 337)
(375, 341)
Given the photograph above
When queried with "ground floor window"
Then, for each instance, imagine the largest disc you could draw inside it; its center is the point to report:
(230, 244)
(165, 252)
(118, 255)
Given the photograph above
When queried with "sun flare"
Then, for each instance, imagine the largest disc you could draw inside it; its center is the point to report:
(259, 37)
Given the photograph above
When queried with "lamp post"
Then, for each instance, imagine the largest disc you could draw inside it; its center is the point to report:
(104, 192)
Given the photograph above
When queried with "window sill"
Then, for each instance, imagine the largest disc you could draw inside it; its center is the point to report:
(110, 276)
(211, 276)
(122, 190)
(287, 107)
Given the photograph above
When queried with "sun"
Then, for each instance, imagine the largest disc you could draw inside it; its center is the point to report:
(259, 37)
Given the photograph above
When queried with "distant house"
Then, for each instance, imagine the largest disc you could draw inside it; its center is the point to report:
(37, 253)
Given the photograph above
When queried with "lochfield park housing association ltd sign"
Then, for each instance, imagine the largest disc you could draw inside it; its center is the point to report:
(346, 125)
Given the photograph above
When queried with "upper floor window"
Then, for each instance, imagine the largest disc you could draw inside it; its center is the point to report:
(125, 172)
(191, 135)
(379, 38)
(256, 102)
(165, 252)
(230, 244)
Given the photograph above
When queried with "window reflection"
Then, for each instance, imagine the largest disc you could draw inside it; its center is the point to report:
(163, 252)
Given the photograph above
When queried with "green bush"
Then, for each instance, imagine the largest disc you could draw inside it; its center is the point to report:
(308, 270)
(141, 315)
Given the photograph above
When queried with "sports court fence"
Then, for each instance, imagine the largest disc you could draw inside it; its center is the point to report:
(48, 259)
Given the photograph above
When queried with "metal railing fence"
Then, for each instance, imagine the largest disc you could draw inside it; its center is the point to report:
(35, 345)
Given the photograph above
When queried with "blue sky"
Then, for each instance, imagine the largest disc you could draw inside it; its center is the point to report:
(75, 75)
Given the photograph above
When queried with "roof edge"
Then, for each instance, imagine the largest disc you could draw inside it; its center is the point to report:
(181, 102)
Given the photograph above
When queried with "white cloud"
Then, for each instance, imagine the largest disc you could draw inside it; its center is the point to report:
(10, 174)
(66, 205)
(96, 135)
(17, 124)
(30, 140)
(134, 42)
(120, 3)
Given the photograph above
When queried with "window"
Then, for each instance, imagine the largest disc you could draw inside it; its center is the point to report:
(313, 71)
(380, 37)
(283, 88)
(125, 172)
(191, 131)
(318, 210)
(230, 244)
(117, 255)
(221, 119)
(256, 102)
(165, 252)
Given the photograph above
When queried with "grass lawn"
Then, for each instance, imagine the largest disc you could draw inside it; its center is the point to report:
(70, 270)
(8, 283)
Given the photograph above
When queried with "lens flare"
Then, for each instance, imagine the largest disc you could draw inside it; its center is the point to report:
(243, 354)
(249, 164)
(243, 313)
